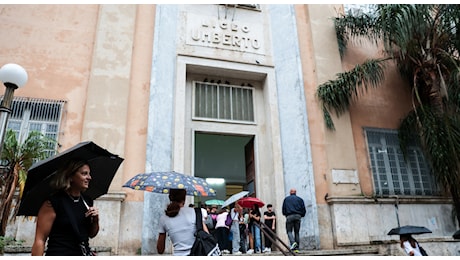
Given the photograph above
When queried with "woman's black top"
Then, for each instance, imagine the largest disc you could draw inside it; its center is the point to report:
(63, 239)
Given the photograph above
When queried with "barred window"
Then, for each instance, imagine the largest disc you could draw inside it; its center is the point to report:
(31, 114)
(244, 6)
(222, 102)
(392, 174)
(359, 9)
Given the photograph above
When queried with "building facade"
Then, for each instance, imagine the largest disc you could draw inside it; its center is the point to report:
(228, 92)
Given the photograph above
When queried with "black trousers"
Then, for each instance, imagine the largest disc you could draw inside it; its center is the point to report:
(268, 242)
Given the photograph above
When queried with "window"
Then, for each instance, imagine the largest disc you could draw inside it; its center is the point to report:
(222, 102)
(392, 174)
(244, 6)
(29, 114)
(359, 9)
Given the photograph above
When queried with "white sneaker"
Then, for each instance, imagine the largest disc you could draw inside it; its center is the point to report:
(225, 251)
(250, 251)
(267, 250)
(238, 253)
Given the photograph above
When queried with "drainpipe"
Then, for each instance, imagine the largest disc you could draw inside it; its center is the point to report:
(396, 207)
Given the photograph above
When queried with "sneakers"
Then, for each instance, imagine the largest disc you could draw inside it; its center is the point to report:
(267, 250)
(296, 251)
(250, 251)
(225, 251)
(294, 245)
(237, 253)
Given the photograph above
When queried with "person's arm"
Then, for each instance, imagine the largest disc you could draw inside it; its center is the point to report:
(256, 217)
(408, 248)
(93, 212)
(161, 243)
(284, 208)
(304, 210)
(273, 224)
(268, 217)
(205, 228)
(45, 219)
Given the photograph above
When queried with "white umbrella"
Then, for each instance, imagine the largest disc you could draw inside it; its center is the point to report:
(234, 198)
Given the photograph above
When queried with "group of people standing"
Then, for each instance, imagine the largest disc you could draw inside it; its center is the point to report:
(242, 236)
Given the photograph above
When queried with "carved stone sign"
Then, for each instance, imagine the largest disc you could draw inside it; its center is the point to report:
(224, 34)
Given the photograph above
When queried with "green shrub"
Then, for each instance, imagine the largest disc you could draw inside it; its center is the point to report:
(9, 241)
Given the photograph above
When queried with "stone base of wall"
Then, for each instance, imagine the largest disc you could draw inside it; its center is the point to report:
(26, 250)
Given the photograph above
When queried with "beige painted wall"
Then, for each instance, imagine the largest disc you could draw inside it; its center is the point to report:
(85, 55)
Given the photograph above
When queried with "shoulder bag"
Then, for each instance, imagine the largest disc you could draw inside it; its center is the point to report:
(422, 251)
(205, 244)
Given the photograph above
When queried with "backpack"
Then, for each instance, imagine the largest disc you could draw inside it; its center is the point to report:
(228, 220)
(209, 223)
(205, 244)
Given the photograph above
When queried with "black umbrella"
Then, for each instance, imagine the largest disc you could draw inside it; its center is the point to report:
(405, 230)
(103, 165)
(456, 235)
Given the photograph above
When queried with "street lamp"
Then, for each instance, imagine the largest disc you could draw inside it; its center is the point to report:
(13, 76)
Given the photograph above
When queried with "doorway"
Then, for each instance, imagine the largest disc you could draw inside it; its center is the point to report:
(222, 160)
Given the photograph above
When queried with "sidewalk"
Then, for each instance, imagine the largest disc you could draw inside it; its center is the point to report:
(335, 252)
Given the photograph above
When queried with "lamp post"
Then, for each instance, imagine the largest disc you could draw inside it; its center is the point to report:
(13, 76)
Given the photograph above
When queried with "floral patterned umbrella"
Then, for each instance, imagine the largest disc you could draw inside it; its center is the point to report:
(162, 182)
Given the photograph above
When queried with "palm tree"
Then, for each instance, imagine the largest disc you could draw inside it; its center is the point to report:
(17, 158)
(423, 41)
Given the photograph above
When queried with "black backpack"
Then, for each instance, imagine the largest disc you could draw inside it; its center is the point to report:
(205, 244)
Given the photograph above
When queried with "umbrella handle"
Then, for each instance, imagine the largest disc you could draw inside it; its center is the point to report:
(84, 201)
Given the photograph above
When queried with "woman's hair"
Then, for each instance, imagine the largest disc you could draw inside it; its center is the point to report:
(61, 180)
(403, 238)
(256, 208)
(222, 210)
(177, 198)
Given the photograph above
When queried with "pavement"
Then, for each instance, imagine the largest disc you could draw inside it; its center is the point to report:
(334, 252)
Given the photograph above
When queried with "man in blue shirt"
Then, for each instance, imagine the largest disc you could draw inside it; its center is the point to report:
(294, 210)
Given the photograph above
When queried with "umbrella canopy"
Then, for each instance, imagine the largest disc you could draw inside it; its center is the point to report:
(214, 202)
(161, 182)
(234, 198)
(103, 165)
(405, 230)
(456, 235)
(249, 202)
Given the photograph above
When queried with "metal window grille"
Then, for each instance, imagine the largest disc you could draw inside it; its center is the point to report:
(244, 6)
(31, 114)
(359, 9)
(223, 102)
(392, 174)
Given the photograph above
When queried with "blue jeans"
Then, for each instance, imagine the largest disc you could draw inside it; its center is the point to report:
(257, 240)
(235, 230)
(293, 223)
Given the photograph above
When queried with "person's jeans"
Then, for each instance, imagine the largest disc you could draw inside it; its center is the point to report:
(235, 229)
(257, 241)
(293, 223)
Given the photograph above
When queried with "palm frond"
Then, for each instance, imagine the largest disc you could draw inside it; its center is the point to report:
(440, 138)
(350, 27)
(338, 94)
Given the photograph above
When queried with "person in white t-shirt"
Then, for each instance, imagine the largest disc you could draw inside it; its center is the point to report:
(410, 245)
(179, 223)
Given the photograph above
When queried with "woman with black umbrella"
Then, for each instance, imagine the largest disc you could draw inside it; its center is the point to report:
(410, 245)
(67, 219)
